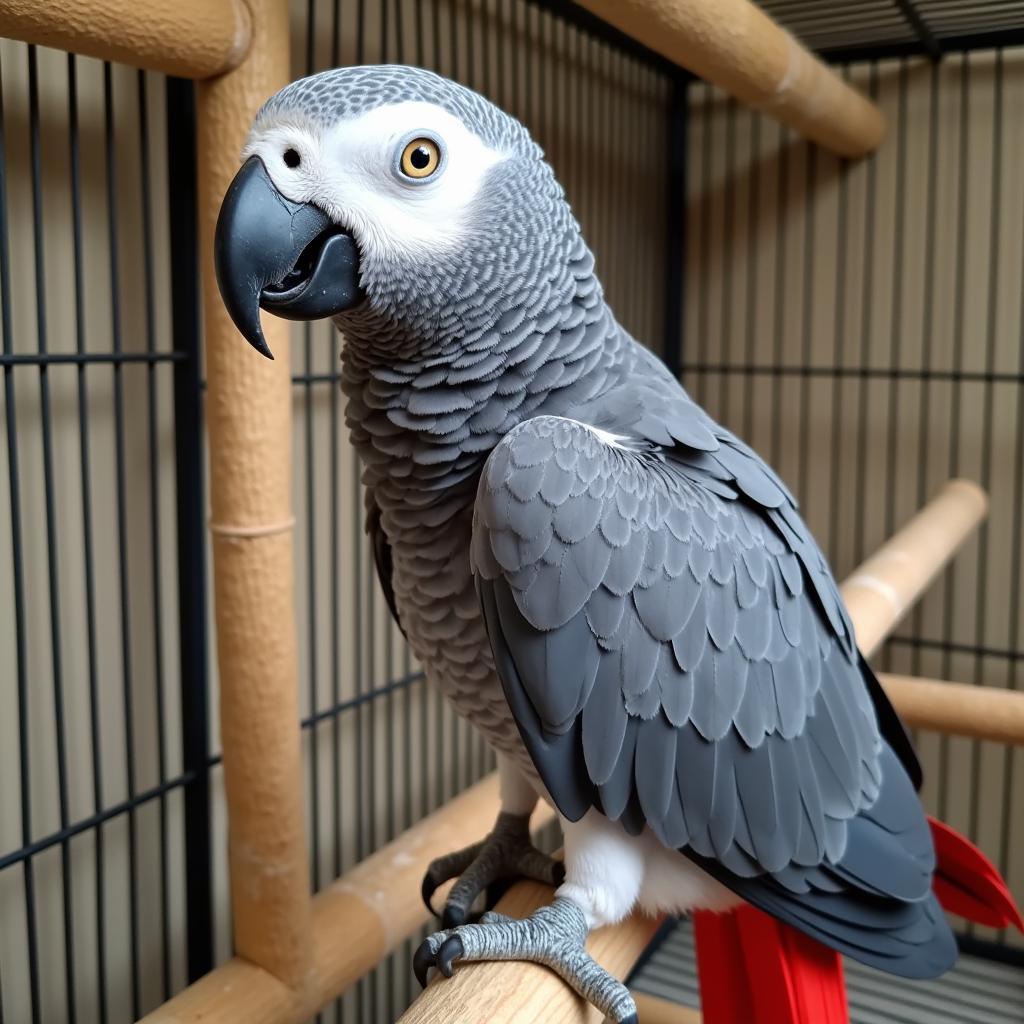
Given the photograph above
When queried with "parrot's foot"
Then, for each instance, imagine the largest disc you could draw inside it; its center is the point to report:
(555, 935)
(505, 854)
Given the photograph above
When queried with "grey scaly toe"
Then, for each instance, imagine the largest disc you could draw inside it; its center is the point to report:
(506, 853)
(555, 936)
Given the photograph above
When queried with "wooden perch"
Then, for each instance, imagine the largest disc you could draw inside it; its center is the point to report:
(356, 922)
(739, 48)
(957, 709)
(190, 38)
(878, 595)
(881, 591)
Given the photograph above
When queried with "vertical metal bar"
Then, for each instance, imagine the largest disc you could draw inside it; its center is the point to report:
(963, 184)
(95, 716)
(18, 581)
(703, 339)
(750, 326)
(779, 324)
(127, 679)
(675, 224)
(867, 289)
(807, 312)
(1014, 604)
(190, 515)
(726, 270)
(839, 328)
(155, 526)
(981, 605)
(50, 498)
(927, 324)
(895, 326)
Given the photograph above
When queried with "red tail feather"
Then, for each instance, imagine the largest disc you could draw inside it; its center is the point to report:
(967, 883)
(756, 970)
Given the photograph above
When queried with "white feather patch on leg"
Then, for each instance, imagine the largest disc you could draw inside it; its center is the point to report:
(604, 868)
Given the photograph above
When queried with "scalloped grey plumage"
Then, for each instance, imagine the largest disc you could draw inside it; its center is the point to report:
(664, 639)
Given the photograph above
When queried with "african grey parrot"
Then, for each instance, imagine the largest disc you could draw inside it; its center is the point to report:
(612, 587)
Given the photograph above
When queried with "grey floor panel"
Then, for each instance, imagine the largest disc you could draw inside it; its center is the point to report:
(976, 991)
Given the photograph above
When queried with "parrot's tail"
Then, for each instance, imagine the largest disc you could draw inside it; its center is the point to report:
(967, 883)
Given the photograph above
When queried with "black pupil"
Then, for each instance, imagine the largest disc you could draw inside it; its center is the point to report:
(291, 158)
(420, 157)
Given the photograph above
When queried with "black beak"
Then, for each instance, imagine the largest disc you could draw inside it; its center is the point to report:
(286, 257)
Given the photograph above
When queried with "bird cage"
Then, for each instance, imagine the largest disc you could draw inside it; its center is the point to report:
(221, 771)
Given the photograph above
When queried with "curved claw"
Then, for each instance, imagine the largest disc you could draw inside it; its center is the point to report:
(427, 889)
(450, 951)
(422, 961)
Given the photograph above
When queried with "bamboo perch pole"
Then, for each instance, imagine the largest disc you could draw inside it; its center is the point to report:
(958, 709)
(249, 412)
(190, 38)
(877, 594)
(882, 590)
(735, 45)
(378, 899)
(356, 921)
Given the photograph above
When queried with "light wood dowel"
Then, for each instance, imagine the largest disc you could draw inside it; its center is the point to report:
(500, 991)
(249, 414)
(957, 709)
(738, 47)
(356, 922)
(190, 38)
(881, 591)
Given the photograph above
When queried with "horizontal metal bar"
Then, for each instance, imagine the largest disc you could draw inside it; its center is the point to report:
(881, 372)
(993, 40)
(606, 33)
(94, 820)
(952, 647)
(89, 358)
(114, 810)
(360, 699)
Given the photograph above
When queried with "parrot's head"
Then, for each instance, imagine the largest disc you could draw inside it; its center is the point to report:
(405, 206)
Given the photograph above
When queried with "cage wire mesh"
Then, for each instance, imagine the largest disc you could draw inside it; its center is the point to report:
(866, 337)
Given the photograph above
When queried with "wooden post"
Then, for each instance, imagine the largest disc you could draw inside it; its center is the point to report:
(190, 38)
(248, 409)
(738, 47)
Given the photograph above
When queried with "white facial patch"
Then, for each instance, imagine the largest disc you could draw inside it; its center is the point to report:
(352, 172)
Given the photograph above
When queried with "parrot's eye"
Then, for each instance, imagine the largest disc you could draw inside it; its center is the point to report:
(420, 158)
(291, 158)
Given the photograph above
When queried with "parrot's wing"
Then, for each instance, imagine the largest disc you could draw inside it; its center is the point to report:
(666, 663)
(655, 408)
(382, 558)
